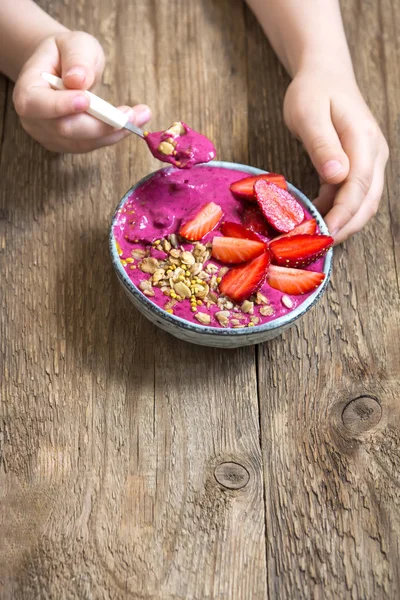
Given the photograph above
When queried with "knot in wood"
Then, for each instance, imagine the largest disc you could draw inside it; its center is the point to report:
(361, 414)
(232, 475)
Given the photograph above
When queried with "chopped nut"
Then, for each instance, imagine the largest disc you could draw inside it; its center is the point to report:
(222, 302)
(261, 299)
(196, 268)
(203, 276)
(204, 318)
(170, 304)
(266, 311)
(255, 320)
(212, 297)
(222, 317)
(237, 323)
(247, 307)
(228, 305)
(149, 265)
(182, 289)
(158, 275)
(146, 288)
(166, 245)
(165, 148)
(187, 258)
(138, 254)
(222, 271)
(240, 316)
(213, 283)
(286, 301)
(211, 268)
(201, 290)
(176, 129)
(206, 256)
(199, 250)
(174, 261)
(175, 252)
(177, 273)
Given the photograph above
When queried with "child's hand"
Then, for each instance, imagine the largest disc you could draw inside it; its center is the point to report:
(328, 114)
(53, 117)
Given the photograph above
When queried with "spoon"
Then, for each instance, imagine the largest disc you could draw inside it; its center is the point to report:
(99, 108)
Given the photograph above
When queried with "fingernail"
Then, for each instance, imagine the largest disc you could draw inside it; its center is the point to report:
(332, 168)
(80, 102)
(76, 72)
(142, 115)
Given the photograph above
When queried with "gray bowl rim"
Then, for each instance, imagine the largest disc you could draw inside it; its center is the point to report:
(160, 313)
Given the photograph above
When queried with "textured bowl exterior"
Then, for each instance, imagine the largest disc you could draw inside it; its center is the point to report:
(212, 336)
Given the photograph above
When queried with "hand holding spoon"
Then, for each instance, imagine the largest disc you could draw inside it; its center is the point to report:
(99, 108)
(179, 145)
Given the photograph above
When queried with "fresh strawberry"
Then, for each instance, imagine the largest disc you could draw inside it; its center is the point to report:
(309, 227)
(241, 282)
(236, 230)
(294, 281)
(204, 222)
(232, 250)
(245, 187)
(299, 250)
(279, 207)
(254, 219)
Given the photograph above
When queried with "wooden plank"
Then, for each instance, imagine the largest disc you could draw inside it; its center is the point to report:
(112, 430)
(389, 51)
(329, 387)
(3, 95)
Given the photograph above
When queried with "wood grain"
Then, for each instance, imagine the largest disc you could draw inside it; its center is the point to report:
(332, 491)
(113, 430)
(133, 465)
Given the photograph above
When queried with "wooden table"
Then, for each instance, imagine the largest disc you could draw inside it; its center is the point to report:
(133, 465)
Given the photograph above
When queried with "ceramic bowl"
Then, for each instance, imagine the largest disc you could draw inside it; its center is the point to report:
(212, 336)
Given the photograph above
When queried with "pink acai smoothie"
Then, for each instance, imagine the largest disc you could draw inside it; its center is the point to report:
(157, 260)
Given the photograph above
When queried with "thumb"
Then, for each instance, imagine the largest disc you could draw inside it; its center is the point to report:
(324, 147)
(82, 60)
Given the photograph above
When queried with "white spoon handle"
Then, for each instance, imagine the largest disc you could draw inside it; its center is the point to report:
(98, 108)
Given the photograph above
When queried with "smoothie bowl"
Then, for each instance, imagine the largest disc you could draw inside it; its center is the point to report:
(205, 254)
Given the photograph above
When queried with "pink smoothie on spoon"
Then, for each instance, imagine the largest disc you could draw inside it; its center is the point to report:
(181, 146)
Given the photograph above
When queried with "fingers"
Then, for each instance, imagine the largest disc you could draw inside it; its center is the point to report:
(82, 133)
(82, 59)
(41, 102)
(86, 127)
(362, 154)
(323, 203)
(313, 125)
(371, 203)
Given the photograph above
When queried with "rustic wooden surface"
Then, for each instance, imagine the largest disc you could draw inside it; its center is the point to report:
(114, 436)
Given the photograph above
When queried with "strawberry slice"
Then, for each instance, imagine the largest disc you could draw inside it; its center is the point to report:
(204, 222)
(279, 207)
(299, 250)
(232, 250)
(241, 282)
(254, 219)
(309, 227)
(294, 281)
(245, 187)
(236, 230)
